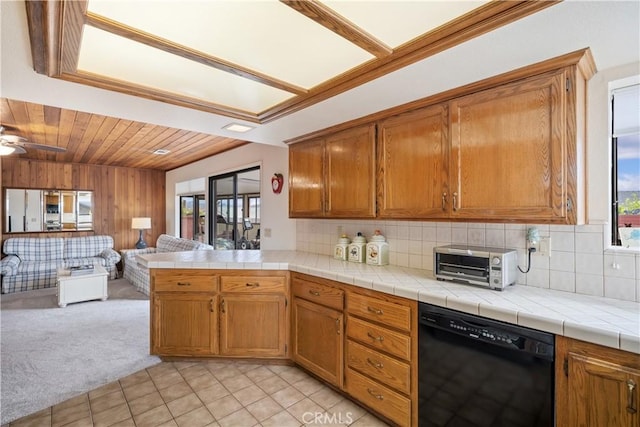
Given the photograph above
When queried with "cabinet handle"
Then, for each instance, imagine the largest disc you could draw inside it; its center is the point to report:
(184, 283)
(211, 305)
(375, 310)
(314, 293)
(373, 337)
(375, 394)
(455, 201)
(444, 201)
(253, 285)
(374, 363)
(222, 307)
(338, 326)
(631, 385)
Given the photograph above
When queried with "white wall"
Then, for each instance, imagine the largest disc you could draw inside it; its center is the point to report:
(274, 207)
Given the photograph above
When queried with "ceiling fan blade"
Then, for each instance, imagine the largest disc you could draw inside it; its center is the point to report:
(43, 147)
(13, 139)
(17, 149)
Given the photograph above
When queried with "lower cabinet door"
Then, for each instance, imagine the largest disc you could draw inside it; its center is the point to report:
(184, 324)
(318, 340)
(253, 325)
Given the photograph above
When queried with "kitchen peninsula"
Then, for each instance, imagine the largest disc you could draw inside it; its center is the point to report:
(348, 302)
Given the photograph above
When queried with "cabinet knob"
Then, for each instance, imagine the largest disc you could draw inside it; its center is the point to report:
(444, 201)
(211, 305)
(184, 284)
(375, 364)
(222, 307)
(375, 310)
(338, 328)
(314, 293)
(373, 337)
(252, 285)
(375, 394)
(455, 201)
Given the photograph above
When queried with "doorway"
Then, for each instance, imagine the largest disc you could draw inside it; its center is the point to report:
(193, 212)
(235, 199)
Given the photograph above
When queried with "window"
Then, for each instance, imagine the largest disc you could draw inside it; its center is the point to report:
(193, 210)
(235, 197)
(625, 180)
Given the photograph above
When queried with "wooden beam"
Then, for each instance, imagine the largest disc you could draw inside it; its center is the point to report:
(335, 22)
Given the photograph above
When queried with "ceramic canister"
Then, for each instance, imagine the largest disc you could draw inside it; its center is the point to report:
(357, 248)
(342, 248)
(377, 250)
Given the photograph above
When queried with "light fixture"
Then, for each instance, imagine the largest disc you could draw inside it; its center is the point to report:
(5, 150)
(141, 224)
(161, 152)
(237, 127)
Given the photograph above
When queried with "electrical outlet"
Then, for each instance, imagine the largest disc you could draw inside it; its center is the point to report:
(544, 246)
(267, 232)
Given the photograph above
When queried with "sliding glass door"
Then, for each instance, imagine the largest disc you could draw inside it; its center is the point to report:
(235, 198)
(193, 211)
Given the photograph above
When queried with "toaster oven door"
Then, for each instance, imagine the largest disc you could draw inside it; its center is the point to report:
(462, 267)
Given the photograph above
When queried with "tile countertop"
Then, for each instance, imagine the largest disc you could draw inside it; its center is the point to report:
(605, 321)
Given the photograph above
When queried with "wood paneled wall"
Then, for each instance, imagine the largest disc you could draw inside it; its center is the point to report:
(119, 195)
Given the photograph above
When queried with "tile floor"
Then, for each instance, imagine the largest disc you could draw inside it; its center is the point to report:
(207, 393)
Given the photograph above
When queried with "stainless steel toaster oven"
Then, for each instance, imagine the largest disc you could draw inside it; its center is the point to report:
(493, 268)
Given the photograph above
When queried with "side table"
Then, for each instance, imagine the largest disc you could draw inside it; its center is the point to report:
(83, 287)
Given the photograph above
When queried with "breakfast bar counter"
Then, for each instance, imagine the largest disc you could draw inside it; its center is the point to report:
(605, 321)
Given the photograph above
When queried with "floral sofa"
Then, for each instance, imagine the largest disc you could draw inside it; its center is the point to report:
(32, 263)
(138, 275)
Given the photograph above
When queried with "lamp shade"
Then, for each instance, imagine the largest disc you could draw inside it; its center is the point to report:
(141, 223)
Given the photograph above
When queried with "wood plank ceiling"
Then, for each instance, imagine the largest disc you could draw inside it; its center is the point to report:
(56, 31)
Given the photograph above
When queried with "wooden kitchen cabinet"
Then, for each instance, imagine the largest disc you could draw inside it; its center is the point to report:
(253, 315)
(595, 385)
(318, 329)
(334, 176)
(184, 317)
(413, 164)
(381, 357)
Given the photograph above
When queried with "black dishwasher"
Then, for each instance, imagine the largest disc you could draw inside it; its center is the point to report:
(478, 372)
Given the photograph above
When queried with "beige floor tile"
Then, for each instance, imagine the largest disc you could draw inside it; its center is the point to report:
(202, 381)
(38, 419)
(258, 374)
(345, 407)
(326, 397)
(301, 410)
(161, 369)
(146, 403)
(236, 383)
(180, 366)
(244, 367)
(83, 422)
(165, 380)
(107, 401)
(224, 372)
(287, 396)
(125, 423)
(281, 419)
(293, 376)
(192, 371)
(65, 415)
(111, 415)
(175, 391)
(184, 404)
(212, 393)
(224, 406)
(74, 401)
(105, 389)
(273, 384)
(136, 378)
(308, 386)
(264, 408)
(153, 417)
(139, 389)
(369, 420)
(239, 418)
(199, 417)
(250, 394)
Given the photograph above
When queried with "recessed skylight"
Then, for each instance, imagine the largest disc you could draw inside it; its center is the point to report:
(237, 127)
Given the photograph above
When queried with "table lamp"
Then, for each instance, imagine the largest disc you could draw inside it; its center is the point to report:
(141, 224)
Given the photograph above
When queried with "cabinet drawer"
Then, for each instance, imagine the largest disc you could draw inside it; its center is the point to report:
(379, 398)
(385, 369)
(252, 284)
(184, 281)
(320, 294)
(379, 337)
(388, 313)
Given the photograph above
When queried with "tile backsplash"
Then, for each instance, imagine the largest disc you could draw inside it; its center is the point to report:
(577, 262)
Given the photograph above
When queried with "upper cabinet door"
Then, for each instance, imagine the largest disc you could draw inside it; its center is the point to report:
(306, 179)
(508, 151)
(412, 164)
(350, 164)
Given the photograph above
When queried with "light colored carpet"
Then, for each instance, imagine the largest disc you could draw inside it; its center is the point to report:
(50, 354)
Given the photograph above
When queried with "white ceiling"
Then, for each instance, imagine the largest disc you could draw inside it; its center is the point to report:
(610, 28)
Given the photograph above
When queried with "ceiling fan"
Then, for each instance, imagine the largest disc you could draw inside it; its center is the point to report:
(10, 144)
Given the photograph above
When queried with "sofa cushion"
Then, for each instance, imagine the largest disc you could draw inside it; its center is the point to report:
(39, 267)
(35, 249)
(88, 246)
(166, 243)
